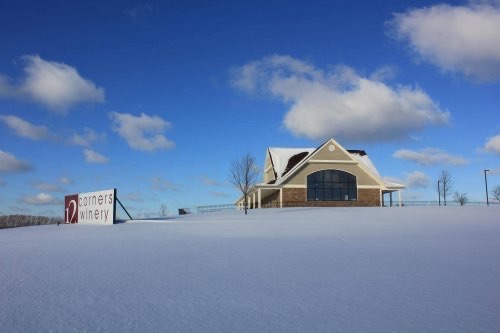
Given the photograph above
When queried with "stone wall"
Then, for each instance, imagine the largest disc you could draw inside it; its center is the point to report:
(293, 195)
(297, 197)
(369, 197)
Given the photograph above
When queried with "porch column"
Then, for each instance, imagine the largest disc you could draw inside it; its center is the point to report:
(281, 197)
(253, 198)
(259, 197)
(399, 197)
(390, 198)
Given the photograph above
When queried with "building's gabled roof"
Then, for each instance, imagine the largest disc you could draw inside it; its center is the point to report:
(308, 157)
(364, 160)
(285, 159)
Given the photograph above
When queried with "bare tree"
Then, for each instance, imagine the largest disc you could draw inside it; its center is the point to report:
(496, 192)
(243, 175)
(163, 210)
(460, 198)
(446, 184)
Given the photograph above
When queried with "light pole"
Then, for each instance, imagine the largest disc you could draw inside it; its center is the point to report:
(486, 184)
(439, 193)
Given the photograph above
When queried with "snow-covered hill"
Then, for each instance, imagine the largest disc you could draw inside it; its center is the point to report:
(414, 269)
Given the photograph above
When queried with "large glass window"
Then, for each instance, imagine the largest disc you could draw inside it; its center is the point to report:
(331, 185)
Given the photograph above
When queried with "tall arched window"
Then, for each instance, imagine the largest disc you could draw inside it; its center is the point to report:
(331, 185)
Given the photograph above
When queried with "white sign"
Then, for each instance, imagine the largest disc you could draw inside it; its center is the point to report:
(90, 208)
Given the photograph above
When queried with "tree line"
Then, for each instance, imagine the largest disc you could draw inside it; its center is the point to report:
(12, 221)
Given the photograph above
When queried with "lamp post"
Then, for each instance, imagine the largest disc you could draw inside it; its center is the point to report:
(486, 184)
(439, 193)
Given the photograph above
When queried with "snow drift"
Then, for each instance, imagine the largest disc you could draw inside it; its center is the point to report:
(412, 269)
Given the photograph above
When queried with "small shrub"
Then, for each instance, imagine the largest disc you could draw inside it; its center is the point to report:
(460, 198)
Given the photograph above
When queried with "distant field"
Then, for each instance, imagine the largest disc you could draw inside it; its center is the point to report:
(410, 269)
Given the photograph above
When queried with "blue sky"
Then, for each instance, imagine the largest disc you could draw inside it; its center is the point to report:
(157, 98)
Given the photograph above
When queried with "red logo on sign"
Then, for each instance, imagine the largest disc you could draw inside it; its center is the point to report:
(71, 208)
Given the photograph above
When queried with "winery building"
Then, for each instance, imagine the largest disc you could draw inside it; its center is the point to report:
(327, 176)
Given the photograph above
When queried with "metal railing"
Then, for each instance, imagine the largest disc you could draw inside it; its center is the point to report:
(436, 203)
(277, 204)
(407, 203)
(215, 208)
(207, 209)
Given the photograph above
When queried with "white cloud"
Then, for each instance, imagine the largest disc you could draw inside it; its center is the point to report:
(140, 12)
(134, 196)
(417, 179)
(430, 156)
(22, 209)
(94, 157)
(46, 187)
(461, 39)
(40, 199)
(209, 181)
(142, 132)
(340, 103)
(10, 164)
(413, 179)
(87, 138)
(493, 145)
(158, 183)
(6, 89)
(66, 180)
(54, 85)
(412, 196)
(384, 73)
(26, 129)
(219, 194)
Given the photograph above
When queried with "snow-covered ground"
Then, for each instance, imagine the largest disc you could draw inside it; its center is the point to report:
(412, 269)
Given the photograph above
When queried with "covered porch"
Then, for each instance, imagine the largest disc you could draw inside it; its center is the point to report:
(263, 196)
(388, 198)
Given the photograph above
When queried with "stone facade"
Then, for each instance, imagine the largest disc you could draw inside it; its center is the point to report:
(369, 197)
(291, 196)
(297, 197)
